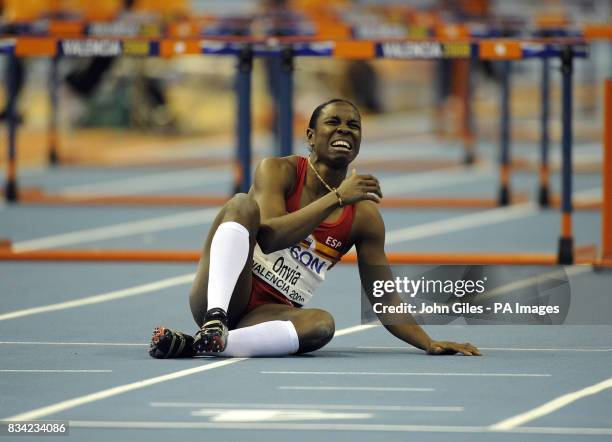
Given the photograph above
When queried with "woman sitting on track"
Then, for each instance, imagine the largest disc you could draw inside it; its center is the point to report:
(268, 250)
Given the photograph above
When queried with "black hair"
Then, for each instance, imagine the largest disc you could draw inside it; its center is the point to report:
(315, 114)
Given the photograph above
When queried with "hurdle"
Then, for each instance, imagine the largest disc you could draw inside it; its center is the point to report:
(590, 32)
(446, 33)
(242, 167)
(501, 50)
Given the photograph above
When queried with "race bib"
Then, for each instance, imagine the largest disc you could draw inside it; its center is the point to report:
(295, 272)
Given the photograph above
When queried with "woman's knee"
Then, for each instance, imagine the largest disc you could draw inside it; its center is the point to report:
(243, 209)
(320, 330)
(325, 325)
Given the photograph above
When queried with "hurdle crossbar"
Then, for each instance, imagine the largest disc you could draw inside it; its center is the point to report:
(584, 255)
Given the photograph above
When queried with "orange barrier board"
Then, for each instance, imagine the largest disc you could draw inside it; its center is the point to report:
(500, 50)
(598, 31)
(354, 49)
(169, 48)
(32, 46)
(66, 28)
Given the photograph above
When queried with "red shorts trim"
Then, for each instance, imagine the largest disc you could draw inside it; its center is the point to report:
(262, 293)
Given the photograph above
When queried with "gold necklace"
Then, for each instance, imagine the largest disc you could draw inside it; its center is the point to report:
(330, 188)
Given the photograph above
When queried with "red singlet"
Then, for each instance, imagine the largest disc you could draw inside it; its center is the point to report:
(290, 276)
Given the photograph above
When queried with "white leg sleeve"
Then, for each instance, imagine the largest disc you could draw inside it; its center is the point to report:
(229, 251)
(271, 338)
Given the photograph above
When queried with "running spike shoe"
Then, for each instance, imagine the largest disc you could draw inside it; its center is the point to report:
(212, 337)
(169, 343)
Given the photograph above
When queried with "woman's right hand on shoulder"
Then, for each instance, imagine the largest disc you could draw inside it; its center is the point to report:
(357, 188)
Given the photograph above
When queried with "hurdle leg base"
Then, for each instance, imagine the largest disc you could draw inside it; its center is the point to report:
(469, 158)
(598, 268)
(10, 191)
(566, 251)
(544, 196)
(504, 196)
(53, 158)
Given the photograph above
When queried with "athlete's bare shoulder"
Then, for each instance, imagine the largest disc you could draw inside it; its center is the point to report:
(276, 172)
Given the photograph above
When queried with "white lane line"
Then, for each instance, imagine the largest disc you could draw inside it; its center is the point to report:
(150, 183)
(554, 163)
(582, 431)
(372, 407)
(187, 219)
(414, 182)
(585, 431)
(278, 415)
(499, 349)
(104, 297)
(184, 219)
(380, 373)
(548, 349)
(156, 224)
(470, 221)
(273, 426)
(595, 193)
(103, 394)
(353, 329)
(532, 280)
(88, 344)
(52, 371)
(463, 222)
(551, 406)
(339, 388)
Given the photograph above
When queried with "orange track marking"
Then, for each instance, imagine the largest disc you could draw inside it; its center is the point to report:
(37, 196)
(445, 202)
(103, 255)
(393, 257)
